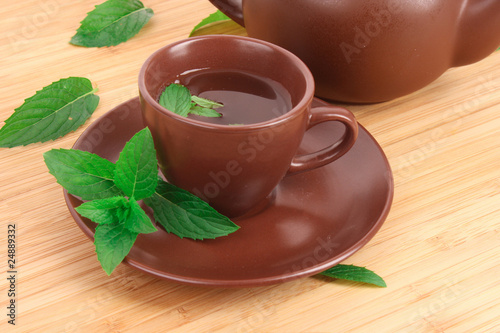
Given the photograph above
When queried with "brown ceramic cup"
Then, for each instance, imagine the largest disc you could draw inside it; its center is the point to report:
(235, 168)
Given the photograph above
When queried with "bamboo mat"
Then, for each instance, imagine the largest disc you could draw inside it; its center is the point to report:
(438, 250)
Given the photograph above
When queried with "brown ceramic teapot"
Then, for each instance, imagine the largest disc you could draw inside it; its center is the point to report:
(367, 51)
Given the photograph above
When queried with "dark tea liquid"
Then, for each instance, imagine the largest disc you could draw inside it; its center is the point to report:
(247, 98)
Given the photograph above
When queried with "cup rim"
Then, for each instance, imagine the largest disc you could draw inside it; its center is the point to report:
(303, 103)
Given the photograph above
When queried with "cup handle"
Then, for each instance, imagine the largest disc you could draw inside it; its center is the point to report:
(329, 154)
(232, 8)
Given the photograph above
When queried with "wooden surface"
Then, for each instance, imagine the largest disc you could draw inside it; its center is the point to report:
(438, 250)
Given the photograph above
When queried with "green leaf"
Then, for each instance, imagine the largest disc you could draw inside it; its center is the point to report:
(212, 18)
(206, 103)
(136, 172)
(112, 244)
(117, 210)
(137, 220)
(111, 23)
(186, 215)
(104, 211)
(83, 174)
(355, 273)
(205, 112)
(176, 98)
(52, 112)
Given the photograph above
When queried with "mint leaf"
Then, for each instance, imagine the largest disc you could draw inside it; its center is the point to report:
(104, 211)
(117, 210)
(212, 18)
(52, 112)
(176, 98)
(205, 112)
(355, 273)
(112, 244)
(111, 23)
(186, 215)
(81, 173)
(136, 172)
(206, 103)
(137, 220)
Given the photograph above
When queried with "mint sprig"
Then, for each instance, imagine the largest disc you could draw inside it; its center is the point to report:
(178, 99)
(111, 23)
(355, 273)
(114, 191)
(52, 112)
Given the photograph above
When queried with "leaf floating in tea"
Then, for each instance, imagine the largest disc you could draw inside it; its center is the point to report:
(52, 112)
(205, 112)
(178, 99)
(111, 23)
(206, 103)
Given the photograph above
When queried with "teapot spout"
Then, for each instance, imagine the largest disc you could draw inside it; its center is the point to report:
(478, 33)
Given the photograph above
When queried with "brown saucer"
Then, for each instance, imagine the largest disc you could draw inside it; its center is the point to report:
(317, 219)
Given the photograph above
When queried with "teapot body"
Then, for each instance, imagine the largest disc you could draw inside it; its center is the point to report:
(368, 51)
